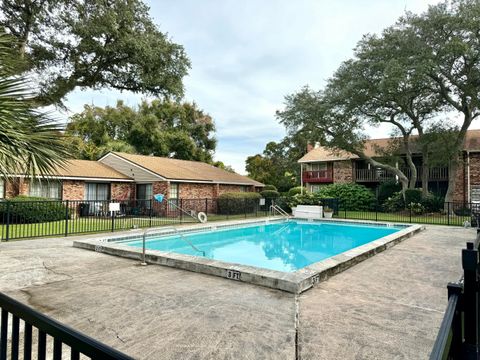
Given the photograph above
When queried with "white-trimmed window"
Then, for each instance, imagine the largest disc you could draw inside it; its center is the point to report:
(97, 191)
(50, 189)
(2, 189)
(173, 193)
(144, 191)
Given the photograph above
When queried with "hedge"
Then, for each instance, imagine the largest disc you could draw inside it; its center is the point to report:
(233, 203)
(352, 196)
(27, 210)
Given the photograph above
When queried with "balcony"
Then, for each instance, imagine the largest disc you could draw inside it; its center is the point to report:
(379, 175)
(318, 176)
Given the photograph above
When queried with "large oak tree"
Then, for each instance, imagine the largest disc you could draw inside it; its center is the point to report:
(70, 44)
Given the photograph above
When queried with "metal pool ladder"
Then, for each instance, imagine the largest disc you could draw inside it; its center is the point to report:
(277, 209)
(182, 236)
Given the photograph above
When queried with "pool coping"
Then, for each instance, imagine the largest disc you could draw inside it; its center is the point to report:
(293, 282)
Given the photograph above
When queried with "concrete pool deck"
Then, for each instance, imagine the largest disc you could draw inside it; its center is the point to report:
(387, 307)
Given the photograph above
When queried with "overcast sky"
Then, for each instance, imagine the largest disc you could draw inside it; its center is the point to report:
(247, 55)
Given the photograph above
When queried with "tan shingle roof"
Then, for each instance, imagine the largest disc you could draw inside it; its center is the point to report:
(87, 169)
(472, 143)
(175, 169)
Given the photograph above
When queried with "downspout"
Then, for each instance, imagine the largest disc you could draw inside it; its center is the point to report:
(301, 178)
(468, 177)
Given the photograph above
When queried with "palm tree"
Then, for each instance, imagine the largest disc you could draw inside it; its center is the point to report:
(30, 142)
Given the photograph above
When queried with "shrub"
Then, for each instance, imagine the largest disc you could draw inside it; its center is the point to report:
(269, 187)
(296, 190)
(237, 202)
(352, 196)
(433, 203)
(416, 208)
(25, 209)
(413, 196)
(394, 203)
(270, 194)
(387, 189)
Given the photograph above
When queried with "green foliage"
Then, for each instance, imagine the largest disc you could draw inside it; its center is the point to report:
(270, 194)
(30, 142)
(277, 165)
(270, 187)
(232, 203)
(160, 128)
(433, 203)
(416, 208)
(25, 209)
(352, 196)
(335, 196)
(296, 190)
(394, 203)
(413, 196)
(93, 44)
(387, 189)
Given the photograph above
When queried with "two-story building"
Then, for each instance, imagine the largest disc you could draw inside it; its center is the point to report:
(324, 166)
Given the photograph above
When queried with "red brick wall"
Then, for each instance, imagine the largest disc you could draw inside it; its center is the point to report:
(73, 190)
(160, 187)
(232, 188)
(196, 191)
(122, 191)
(461, 183)
(342, 171)
(11, 188)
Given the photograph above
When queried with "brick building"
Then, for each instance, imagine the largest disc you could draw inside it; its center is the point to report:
(120, 176)
(323, 166)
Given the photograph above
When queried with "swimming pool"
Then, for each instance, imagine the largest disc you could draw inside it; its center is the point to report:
(286, 246)
(289, 255)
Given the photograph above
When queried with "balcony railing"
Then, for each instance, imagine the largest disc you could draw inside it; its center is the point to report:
(318, 176)
(379, 175)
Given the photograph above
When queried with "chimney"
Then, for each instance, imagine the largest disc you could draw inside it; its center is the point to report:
(310, 147)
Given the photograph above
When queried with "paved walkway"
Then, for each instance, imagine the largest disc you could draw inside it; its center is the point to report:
(387, 307)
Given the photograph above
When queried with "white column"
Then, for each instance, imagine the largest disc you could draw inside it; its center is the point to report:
(301, 178)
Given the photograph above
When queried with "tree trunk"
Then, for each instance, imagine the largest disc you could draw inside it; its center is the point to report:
(425, 172)
(455, 161)
(452, 176)
(413, 171)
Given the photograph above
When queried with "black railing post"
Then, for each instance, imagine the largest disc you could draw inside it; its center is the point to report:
(181, 208)
(410, 207)
(376, 211)
(151, 211)
(206, 205)
(470, 300)
(457, 337)
(113, 221)
(7, 228)
(245, 207)
(66, 218)
(448, 213)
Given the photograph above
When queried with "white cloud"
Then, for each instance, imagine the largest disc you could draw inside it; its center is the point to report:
(247, 55)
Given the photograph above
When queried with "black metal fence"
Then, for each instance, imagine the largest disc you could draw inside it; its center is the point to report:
(459, 334)
(28, 219)
(452, 213)
(23, 342)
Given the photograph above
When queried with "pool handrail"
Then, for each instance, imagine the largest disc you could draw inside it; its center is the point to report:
(176, 231)
(275, 208)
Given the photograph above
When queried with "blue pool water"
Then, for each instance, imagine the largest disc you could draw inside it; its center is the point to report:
(286, 246)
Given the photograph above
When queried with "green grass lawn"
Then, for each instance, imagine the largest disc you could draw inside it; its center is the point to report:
(95, 225)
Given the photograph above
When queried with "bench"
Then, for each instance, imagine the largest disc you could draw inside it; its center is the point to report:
(308, 212)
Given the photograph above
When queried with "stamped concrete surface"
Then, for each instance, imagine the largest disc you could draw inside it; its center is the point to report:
(150, 312)
(387, 307)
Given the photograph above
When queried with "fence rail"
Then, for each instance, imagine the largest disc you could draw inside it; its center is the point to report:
(450, 213)
(458, 337)
(29, 219)
(25, 319)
